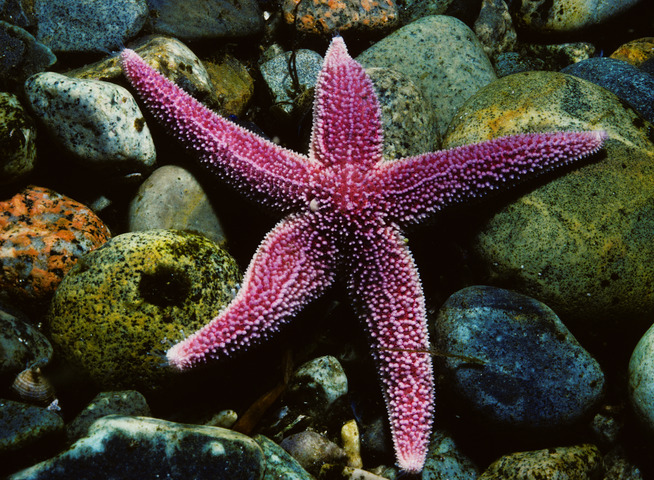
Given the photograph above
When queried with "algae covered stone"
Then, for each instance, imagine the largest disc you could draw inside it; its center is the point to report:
(582, 242)
(131, 299)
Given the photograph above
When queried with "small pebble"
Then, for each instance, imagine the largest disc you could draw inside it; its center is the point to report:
(17, 140)
(312, 450)
(351, 444)
(636, 51)
(21, 344)
(318, 383)
(279, 464)
(171, 198)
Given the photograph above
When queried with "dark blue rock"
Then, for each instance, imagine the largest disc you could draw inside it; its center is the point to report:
(522, 366)
(623, 79)
(21, 56)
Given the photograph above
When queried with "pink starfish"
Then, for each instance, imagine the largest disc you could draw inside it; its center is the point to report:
(346, 207)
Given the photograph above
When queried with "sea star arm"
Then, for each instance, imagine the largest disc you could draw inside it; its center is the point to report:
(415, 187)
(386, 289)
(293, 265)
(255, 166)
(347, 120)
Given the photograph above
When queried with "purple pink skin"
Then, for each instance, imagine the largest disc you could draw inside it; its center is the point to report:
(345, 210)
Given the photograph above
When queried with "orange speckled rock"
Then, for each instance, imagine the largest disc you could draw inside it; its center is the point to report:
(329, 16)
(42, 234)
(635, 52)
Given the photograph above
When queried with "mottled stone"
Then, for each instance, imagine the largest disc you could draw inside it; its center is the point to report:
(626, 81)
(636, 51)
(127, 301)
(582, 242)
(22, 425)
(641, 379)
(123, 447)
(88, 25)
(280, 74)
(318, 382)
(494, 28)
(416, 9)
(279, 464)
(556, 56)
(171, 198)
(99, 123)
(21, 344)
(446, 461)
(557, 16)
(42, 235)
(580, 462)
(443, 58)
(22, 55)
(509, 63)
(205, 19)
(126, 402)
(410, 126)
(17, 140)
(351, 442)
(233, 86)
(325, 17)
(518, 364)
(312, 450)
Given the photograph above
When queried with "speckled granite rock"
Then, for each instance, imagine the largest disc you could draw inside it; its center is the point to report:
(318, 382)
(98, 122)
(529, 371)
(582, 243)
(87, 25)
(324, 17)
(205, 19)
(581, 462)
(279, 464)
(124, 302)
(625, 80)
(172, 198)
(641, 379)
(123, 447)
(556, 16)
(443, 58)
(410, 126)
(17, 140)
(445, 460)
(42, 234)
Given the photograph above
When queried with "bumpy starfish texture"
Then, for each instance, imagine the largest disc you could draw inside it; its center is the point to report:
(345, 209)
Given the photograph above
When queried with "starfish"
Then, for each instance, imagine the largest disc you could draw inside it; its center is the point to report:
(345, 209)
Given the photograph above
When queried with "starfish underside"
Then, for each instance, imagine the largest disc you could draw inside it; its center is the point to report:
(345, 209)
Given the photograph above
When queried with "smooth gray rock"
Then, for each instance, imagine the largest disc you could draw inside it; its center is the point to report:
(641, 379)
(21, 344)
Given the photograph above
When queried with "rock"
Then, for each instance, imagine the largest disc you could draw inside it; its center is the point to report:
(279, 464)
(641, 379)
(123, 447)
(581, 242)
(410, 126)
(445, 460)
(351, 442)
(519, 364)
(224, 419)
(636, 51)
(312, 450)
(279, 74)
(21, 344)
(558, 16)
(42, 235)
(233, 87)
(318, 383)
(126, 402)
(99, 123)
(509, 63)
(123, 303)
(626, 81)
(22, 55)
(88, 25)
(580, 462)
(22, 426)
(556, 56)
(416, 9)
(17, 140)
(327, 18)
(494, 28)
(205, 19)
(443, 58)
(171, 198)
